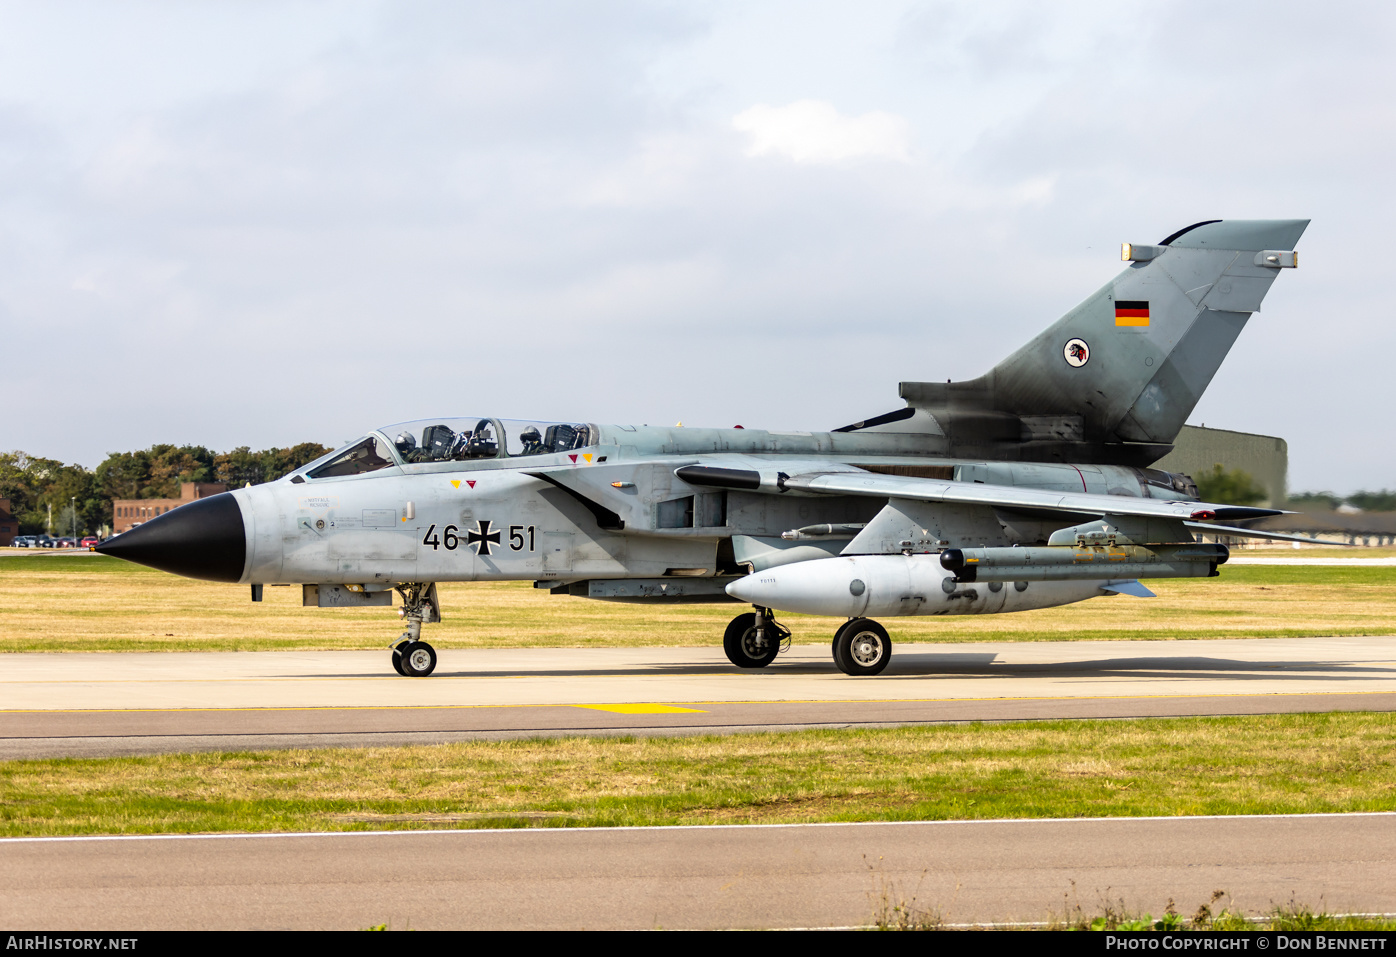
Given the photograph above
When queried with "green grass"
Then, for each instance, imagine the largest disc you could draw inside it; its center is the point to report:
(1211, 915)
(1186, 766)
(76, 603)
(894, 912)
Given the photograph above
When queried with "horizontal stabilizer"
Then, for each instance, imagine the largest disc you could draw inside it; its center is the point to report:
(1001, 496)
(877, 485)
(1231, 532)
(1131, 587)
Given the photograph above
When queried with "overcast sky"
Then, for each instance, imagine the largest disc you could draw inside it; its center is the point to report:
(252, 223)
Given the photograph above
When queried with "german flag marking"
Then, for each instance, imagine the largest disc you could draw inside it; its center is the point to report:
(1131, 312)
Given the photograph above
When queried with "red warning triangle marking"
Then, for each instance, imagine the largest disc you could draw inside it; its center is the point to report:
(573, 458)
(470, 482)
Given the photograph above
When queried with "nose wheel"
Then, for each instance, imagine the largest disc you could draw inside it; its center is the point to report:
(753, 640)
(414, 659)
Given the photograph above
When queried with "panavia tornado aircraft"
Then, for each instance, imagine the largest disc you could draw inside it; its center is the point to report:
(1025, 488)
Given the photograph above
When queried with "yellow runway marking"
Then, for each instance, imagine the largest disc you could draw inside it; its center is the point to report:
(640, 708)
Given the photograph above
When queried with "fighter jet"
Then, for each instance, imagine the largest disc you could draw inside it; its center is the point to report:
(1025, 488)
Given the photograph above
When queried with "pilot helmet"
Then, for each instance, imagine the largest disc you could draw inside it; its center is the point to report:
(530, 435)
(405, 442)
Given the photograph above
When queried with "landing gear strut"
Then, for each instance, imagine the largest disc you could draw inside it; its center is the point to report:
(412, 657)
(754, 639)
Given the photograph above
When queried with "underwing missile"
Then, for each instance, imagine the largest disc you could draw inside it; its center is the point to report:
(1076, 563)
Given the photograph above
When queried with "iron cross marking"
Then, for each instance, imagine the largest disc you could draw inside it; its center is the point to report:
(482, 538)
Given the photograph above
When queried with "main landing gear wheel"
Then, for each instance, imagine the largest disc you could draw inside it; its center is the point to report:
(414, 659)
(862, 648)
(743, 647)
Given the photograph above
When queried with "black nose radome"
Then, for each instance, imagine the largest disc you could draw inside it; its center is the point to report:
(204, 539)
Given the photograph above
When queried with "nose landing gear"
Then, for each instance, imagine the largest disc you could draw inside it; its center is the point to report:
(753, 640)
(412, 657)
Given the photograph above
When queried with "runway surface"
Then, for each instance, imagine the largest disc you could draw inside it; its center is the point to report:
(103, 704)
(702, 877)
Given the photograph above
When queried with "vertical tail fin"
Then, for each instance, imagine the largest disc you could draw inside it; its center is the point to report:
(1116, 378)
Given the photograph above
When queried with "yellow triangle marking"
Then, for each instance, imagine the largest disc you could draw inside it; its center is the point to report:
(640, 708)
(455, 483)
(587, 456)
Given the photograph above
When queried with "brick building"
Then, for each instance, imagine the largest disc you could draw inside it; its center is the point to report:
(9, 525)
(127, 513)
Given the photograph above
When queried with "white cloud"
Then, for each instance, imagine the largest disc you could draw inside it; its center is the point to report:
(812, 131)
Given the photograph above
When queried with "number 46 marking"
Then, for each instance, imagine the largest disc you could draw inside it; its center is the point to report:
(451, 540)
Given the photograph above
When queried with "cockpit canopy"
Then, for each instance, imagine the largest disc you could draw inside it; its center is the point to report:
(454, 440)
(369, 454)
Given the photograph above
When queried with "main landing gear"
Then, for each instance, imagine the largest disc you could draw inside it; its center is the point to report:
(412, 657)
(862, 647)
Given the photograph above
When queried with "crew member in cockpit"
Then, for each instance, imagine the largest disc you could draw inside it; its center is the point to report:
(406, 444)
(532, 441)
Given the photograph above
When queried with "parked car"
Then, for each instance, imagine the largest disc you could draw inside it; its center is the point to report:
(90, 542)
(43, 541)
(25, 541)
(65, 542)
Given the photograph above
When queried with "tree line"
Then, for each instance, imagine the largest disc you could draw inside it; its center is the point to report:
(83, 497)
(1235, 487)
(1381, 501)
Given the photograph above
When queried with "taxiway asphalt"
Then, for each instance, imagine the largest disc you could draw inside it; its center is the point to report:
(746, 876)
(110, 704)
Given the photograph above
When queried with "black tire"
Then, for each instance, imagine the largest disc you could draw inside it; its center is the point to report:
(397, 658)
(418, 659)
(862, 648)
(739, 642)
